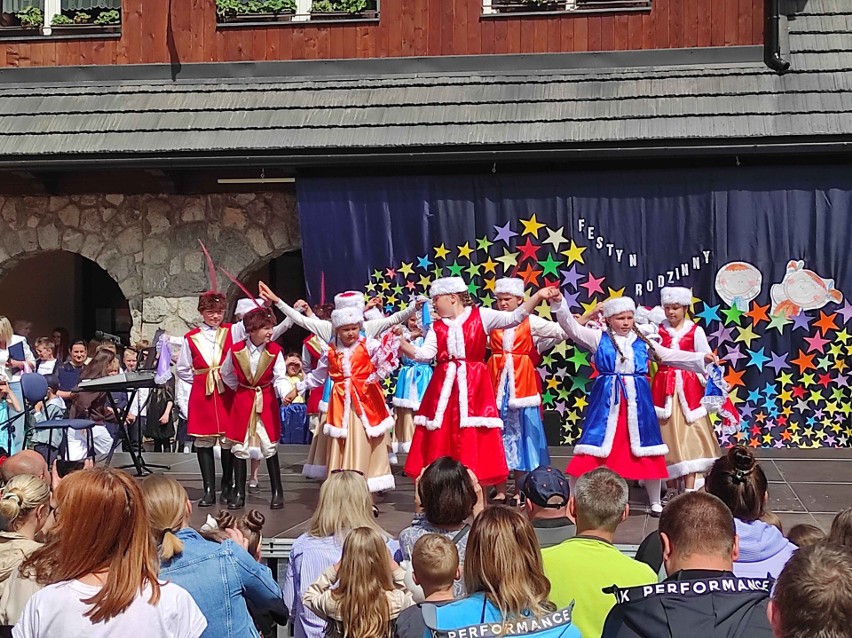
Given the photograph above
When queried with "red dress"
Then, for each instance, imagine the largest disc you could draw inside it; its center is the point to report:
(313, 347)
(209, 398)
(672, 384)
(255, 397)
(458, 415)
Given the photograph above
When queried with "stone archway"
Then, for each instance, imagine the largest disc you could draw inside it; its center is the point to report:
(148, 243)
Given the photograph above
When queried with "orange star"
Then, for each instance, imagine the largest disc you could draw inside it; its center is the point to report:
(529, 275)
(735, 378)
(758, 313)
(805, 362)
(760, 417)
(826, 322)
(754, 443)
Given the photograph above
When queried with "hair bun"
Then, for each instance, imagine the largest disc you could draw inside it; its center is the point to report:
(225, 520)
(741, 458)
(254, 520)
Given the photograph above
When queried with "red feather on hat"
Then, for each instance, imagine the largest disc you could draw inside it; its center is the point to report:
(211, 269)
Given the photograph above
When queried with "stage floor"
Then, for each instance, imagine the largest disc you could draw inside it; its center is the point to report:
(806, 486)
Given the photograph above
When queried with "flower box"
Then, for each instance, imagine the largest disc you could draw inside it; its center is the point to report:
(366, 14)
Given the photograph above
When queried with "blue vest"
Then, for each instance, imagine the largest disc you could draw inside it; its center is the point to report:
(609, 390)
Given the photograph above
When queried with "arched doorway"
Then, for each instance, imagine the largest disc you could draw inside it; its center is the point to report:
(63, 289)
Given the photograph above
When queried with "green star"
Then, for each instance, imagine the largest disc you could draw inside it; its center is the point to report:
(371, 287)
(437, 272)
(579, 358)
(547, 397)
(550, 266)
(778, 322)
(455, 269)
(377, 274)
(837, 395)
(547, 360)
(472, 288)
(472, 270)
(579, 382)
(487, 301)
(823, 363)
(733, 315)
(785, 379)
(836, 350)
(484, 244)
(397, 290)
(564, 395)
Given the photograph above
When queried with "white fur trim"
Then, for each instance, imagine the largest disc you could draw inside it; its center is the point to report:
(403, 446)
(695, 466)
(657, 315)
(315, 471)
(618, 305)
(676, 295)
(481, 422)
(507, 375)
(349, 299)
(509, 286)
(322, 406)
(373, 314)
(525, 402)
(334, 432)
(381, 483)
(246, 305)
(447, 286)
(664, 412)
(346, 317)
(411, 404)
(641, 315)
(254, 453)
(375, 431)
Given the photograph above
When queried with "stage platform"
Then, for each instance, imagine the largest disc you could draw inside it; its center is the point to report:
(806, 486)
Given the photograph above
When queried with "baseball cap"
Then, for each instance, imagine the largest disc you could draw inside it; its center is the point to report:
(543, 484)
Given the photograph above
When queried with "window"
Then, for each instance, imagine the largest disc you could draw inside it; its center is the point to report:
(235, 13)
(34, 18)
(560, 6)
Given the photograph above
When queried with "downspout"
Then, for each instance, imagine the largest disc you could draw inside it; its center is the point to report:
(772, 47)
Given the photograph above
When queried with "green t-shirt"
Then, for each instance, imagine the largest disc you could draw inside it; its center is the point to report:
(579, 568)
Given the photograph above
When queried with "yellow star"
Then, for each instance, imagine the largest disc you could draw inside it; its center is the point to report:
(572, 417)
(552, 383)
(767, 438)
(406, 269)
(793, 427)
(846, 408)
(587, 307)
(574, 253)
(424, 282)
(807, 380)
(836, 350)
(831, 408)
(785, 378)
(391, 300)
(735, 397)
(490, 266)
(816, 396)
(465, 251)
(581, 402)
(841, 365)
(370, 287)
(842, 335)
(795, 439)
(787, 411)
(441, 252)
(543, 310)
(560, 348)
(385, 285)
(786, 396)
(531, 226)
(489, 284)
(746, 335)
(508, 260)
(615, 293)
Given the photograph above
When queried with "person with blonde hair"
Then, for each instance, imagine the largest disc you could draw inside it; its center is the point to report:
(344, 504)
(364, 593)
(100, 568)
(15, 358)
(24, 509)
(223, 579)
(504, 575)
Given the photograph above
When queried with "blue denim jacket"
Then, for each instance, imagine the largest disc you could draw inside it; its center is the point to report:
(224, 579)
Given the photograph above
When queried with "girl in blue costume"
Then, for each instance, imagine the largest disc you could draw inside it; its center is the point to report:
(411, 383)
(621, 430)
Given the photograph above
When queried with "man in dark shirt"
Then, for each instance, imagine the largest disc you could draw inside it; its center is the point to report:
(545, 492)
(701, 598)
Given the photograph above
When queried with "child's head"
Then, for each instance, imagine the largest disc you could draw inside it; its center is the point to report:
(449, 295)
(510, 293)
(52, 385)
(618, 313)
(675, 300)
(805, 535)
(259, 324)
(129, 358)
(413, 323)
(435, 561)
(45, 348)
(250, 525)
(346, 322)
(294, 364)
(211, 307)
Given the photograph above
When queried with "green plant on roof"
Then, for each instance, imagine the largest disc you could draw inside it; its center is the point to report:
(30, 17)
(112, 16)
(59, 20)
(81, 17)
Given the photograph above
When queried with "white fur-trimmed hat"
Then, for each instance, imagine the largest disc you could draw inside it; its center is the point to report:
(349, 299)
(657, 315)
(617, 305)
(676, 295)
(509, 286)
(447, 286)
(246, 305)
(346, 317)
(373, 313)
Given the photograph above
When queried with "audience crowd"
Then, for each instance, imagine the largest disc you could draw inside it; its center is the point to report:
(98, 553)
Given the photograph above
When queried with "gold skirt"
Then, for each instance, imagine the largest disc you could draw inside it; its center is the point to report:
(692, 446)
(316, 467)
(362, 453)
(403, 429)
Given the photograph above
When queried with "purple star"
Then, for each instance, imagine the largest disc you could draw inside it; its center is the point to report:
(560, 407)
(746, 411)
(571, 299)
(778, 362)
(830, 440)
(842, 380)
(846, 311)
(801, 320)
(542, 372)
(818, 414)
(734, 354)
(839, 417)
(571, 277)
(722, 334)
(724, 440)
(504, 233)
(778, 444)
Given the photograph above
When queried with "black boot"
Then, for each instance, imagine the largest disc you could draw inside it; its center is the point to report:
(274, 468)
(238, 500)
(208, 475)
(227, 485)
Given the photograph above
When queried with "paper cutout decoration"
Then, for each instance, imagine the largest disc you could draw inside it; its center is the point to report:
(802, 289)
(737, 283)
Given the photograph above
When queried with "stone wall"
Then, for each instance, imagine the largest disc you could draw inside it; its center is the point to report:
(149, 243)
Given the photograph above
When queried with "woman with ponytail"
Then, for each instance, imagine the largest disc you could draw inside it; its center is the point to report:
(100, 569)
(223, 579)
(738, 480)
(24, 508)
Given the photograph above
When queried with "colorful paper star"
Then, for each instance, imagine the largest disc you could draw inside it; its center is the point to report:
(455, 269)
(757, 359)
(465, 251)
(424, 262)
(803, 362)
(579, 358)
(483, 244)
(529, 275)
(550, 266)
(490, 265)
(722, 334)
(757, 313)
(816, 342)
(531, 226)
(801, 321)
(709, 313)
(571, 277)
(826, 322)
(441, 252)
(528, 250)
(504, 233)
(778, 362)
(734, 354)
(574, 253)
(593, 284)
(406, 269)
(555, 238)
(845, 311)
(745, 335)
(508, 260)
(733, 315)
(778, 322)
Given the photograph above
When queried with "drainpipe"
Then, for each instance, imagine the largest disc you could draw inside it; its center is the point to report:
(772, 38)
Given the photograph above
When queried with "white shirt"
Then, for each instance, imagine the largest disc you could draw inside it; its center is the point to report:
(46, 367)
(57, 612)
(6, 373)
(279, 369)
(139, 405)
(323, 329)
